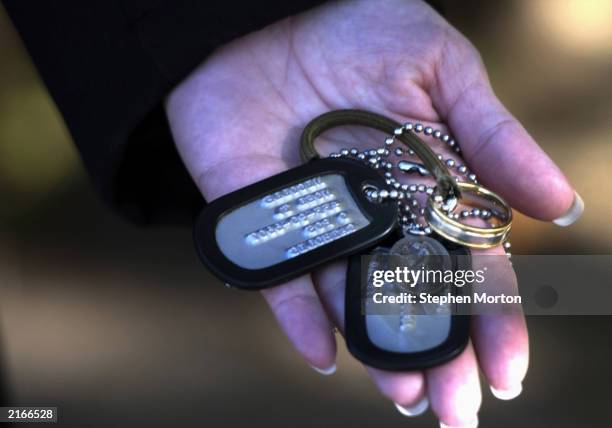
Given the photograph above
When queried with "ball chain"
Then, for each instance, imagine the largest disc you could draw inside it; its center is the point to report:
(409, 208)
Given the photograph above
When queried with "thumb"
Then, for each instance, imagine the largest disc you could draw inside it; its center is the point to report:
(495, 144)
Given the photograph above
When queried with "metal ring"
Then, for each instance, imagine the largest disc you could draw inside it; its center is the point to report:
(445, 181)
(470, 236)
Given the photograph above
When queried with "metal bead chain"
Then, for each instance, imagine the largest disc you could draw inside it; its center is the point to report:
(409, 208)
(377, 158)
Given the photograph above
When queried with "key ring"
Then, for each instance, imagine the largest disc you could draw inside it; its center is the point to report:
(472, 236)
(446, 183)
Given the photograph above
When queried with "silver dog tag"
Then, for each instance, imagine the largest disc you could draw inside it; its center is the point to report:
(290, 223)
(401, 333)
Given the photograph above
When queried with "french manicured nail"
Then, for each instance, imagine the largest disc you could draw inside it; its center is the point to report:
(416, 410)
(325, 372)
(507, 394)
(472, 424)
(573, 214)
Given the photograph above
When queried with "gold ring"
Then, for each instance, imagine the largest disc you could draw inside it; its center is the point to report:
(471, 236)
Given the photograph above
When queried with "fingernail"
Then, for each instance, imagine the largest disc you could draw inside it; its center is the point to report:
(507, 394)
(416, 410)
(325, 372)
(471, 424)
(573, 214)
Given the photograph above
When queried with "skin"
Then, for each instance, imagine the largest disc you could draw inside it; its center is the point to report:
(237, 118)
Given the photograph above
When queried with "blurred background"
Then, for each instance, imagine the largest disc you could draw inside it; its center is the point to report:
(120, 326)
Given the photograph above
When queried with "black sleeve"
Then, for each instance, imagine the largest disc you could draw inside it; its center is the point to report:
(108, 64)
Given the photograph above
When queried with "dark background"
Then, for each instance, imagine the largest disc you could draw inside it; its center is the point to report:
(120, 326)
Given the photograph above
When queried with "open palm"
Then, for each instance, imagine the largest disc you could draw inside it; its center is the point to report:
(237, 120)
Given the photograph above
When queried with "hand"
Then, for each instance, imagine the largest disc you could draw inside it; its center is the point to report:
(237, 120)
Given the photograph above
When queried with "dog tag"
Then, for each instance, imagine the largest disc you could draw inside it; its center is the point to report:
(405, 335)
(288, 224)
